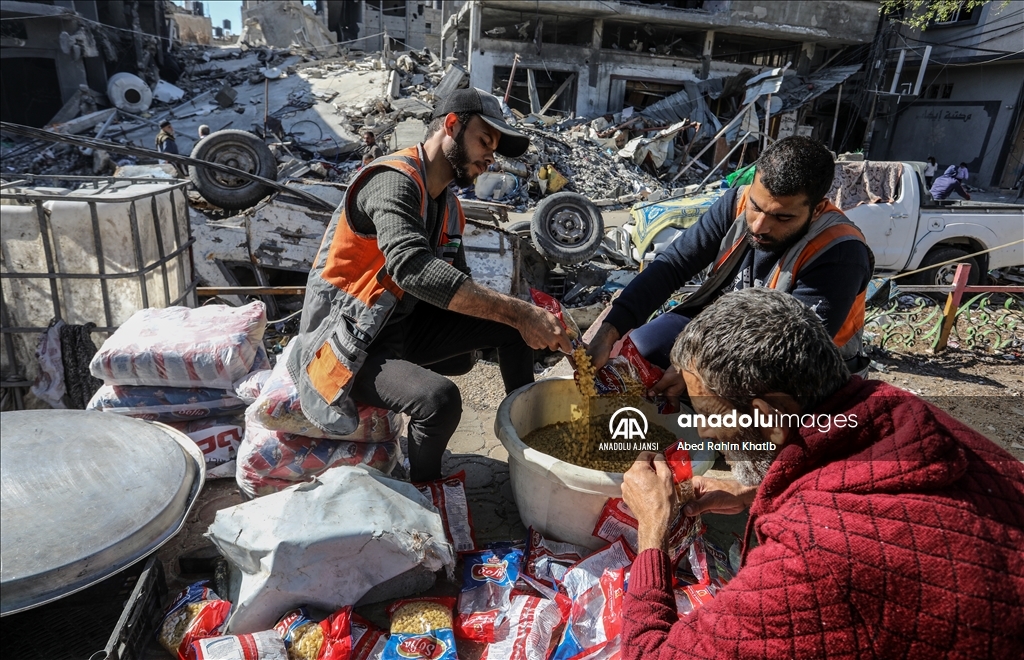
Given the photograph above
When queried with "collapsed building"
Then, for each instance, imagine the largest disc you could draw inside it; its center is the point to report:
(51, 52)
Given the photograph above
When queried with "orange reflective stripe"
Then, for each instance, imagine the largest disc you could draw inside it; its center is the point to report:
(823, 239)
(327, 374)
(741, 201)
(728, 253)
(854, 321)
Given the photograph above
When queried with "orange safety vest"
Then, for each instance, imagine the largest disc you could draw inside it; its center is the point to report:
(350, 297)
(828, 229)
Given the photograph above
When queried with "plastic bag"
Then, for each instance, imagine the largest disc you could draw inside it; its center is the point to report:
(164, 404)
(265, 645)
(548, 561)
(488, 577)
(690, 598)
(368, 641)
(270, 461)
(248, 389)
(278, 408)
(596, 586)
(421, 628)
(541, 299)
(218, 438)
(306, 639)
(617, 522)
(196, 613)
(627, 373)
(211, 346)
(449, 496)
(527, 631)
(325, 544)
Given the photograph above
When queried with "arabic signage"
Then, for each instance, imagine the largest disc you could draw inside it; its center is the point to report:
(951, 131)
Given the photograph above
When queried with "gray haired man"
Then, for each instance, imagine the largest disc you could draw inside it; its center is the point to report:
(884, 526)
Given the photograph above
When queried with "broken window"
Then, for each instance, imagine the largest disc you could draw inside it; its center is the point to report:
(961, 16)
(29, 90)
(642, 93)
(388, 7)
(13, 30)
(547, 83)
(650, 38)
(947, 91)
(671, 4)
(541, 28)
(756, 51)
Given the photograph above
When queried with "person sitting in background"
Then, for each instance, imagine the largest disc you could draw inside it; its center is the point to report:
(204, 130)
(884, 527)
(949, 183)
(370, 146)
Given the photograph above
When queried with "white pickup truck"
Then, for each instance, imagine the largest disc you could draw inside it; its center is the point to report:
(914, 231)
(909, 233)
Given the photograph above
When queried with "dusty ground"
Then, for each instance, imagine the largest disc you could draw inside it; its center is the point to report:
(984, 391)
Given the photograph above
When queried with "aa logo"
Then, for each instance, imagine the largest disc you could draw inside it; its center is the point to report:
(628, 424)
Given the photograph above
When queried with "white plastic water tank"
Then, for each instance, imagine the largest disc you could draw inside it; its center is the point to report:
(128, 92)
(136, 232)
(560, 500)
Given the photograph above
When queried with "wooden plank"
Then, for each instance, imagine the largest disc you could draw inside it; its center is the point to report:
(532, 89)
(558, 92)
(250, 291)
(952, 305)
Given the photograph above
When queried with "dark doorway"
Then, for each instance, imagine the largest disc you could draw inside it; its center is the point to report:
(29, 90)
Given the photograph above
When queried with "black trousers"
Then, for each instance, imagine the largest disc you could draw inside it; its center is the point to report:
(404, 367)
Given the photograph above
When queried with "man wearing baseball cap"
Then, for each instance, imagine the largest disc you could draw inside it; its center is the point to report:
(390, 307)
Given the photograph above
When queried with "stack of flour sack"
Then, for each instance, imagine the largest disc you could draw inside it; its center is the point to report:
(282, 447)
(197, 369)
(180, 366)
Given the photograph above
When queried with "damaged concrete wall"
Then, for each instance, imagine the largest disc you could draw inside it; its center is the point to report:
(192, 29)
(286, 22)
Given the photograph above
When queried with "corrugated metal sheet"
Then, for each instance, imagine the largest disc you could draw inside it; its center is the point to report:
(689, 104)
(798, 90)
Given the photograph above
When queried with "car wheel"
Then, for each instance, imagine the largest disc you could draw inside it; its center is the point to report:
(238, 149)
(943, 275)
(567, 228)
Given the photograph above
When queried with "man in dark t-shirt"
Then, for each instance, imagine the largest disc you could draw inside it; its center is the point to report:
(764, 228)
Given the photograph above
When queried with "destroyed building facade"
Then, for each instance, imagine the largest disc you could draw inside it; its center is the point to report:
(619, 54)
(955, 91)
(51, 51)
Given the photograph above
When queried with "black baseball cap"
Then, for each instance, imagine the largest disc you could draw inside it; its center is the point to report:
(512, 143)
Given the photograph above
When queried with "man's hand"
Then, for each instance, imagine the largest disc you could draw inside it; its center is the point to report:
(671, 385)
(601, 347)
(726, 496)
(650, 494)
(540, 329)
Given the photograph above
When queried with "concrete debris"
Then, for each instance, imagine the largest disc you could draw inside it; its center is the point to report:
(284, 24)
(165, 92)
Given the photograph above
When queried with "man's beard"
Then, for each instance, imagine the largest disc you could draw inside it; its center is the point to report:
(459, 160)
(781, 246)
(747, 470)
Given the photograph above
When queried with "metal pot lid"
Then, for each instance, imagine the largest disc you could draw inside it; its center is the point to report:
(84, 495)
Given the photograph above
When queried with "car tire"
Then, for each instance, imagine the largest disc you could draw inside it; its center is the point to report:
(238, 149)
(520, 228)
(943, 275)
(567, 228)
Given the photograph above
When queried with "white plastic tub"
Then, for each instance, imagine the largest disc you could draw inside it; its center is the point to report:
(561, 500)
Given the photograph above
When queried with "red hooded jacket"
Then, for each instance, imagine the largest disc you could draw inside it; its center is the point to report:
(900, 538)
